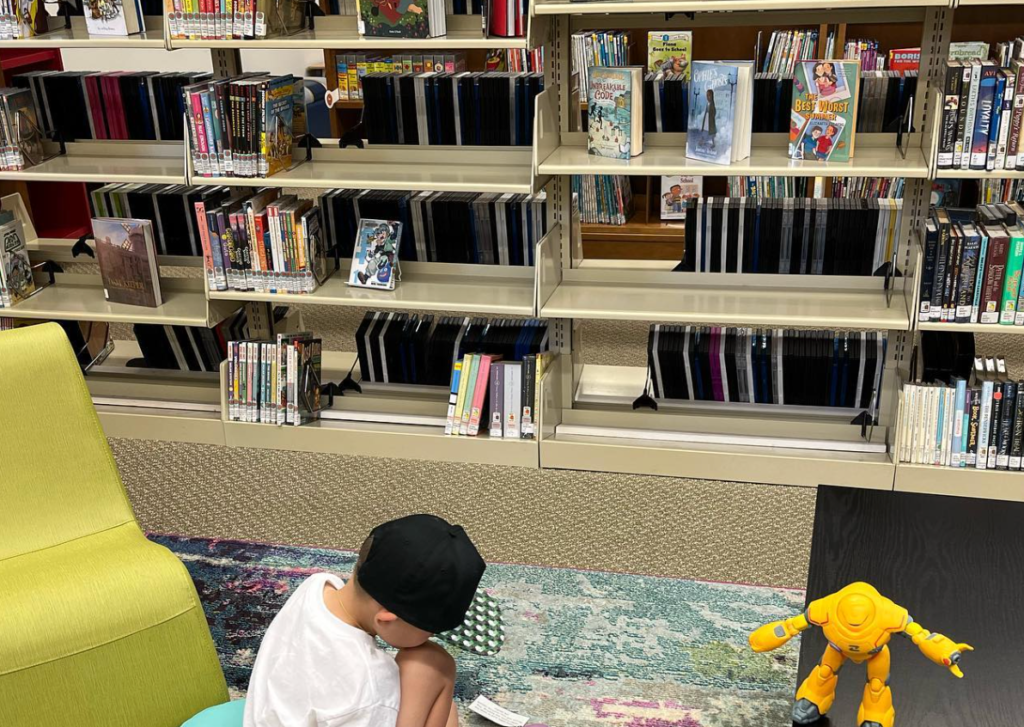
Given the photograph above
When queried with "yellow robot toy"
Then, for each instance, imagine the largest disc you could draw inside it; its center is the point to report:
(858, 622)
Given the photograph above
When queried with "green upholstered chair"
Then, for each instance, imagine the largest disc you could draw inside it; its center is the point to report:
(98, 626)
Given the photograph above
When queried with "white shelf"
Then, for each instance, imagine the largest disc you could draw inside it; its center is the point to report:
(698, 6)
(77, 36)
(961, 482)
(80, 298)
(108, 162)
(193, 427)
(978, 173)
(970, 328)
(728, 306)
(500, 290)
(59, 250)
(870, 161)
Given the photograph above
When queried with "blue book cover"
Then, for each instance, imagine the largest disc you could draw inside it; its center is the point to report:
(958, 421)
(712, 110)
(983, 117)
(610, 112)
(997, 115)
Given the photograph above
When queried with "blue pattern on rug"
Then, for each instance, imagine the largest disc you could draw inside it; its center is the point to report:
(584, 648)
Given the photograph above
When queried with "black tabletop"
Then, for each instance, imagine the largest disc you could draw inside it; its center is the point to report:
(957, 564)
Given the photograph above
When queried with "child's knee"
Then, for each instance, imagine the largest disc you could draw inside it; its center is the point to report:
(427, 657)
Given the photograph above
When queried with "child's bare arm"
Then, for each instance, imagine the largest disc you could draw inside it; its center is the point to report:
(427, 677)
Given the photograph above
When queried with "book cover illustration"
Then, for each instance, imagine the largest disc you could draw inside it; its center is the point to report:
(675, 190)
(277, 146)
(106, 17)
(609, 104)
(376, 254)
(394, 18)
(16, 281)
(968, 50)
(26, 142)
(712, 110)
(822, 117)
(669, 52)
(126, 254)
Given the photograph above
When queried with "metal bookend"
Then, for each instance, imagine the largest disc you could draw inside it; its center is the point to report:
(906, 127)
(81, 247)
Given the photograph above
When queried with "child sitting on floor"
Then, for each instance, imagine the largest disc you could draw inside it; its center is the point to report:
(319, 664)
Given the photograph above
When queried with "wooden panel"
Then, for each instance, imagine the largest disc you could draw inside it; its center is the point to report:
(955, 563)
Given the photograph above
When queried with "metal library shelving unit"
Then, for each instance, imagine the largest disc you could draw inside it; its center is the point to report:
(586, 420)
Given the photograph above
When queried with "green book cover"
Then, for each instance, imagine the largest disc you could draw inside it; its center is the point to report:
(467, 403)
(668, 51)
(1011, 285)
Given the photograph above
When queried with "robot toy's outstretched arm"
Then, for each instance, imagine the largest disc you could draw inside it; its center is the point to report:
(772, 636)
(937, 647)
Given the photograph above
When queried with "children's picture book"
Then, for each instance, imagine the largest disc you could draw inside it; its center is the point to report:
(16, 281)
(823, 117)
(675, 191)
(24, 147)
(615, 112)
(113, 17)
(126, 253)
(721, 107)
(904, 59)
(668, 51)
(401, 18)
(375, 256)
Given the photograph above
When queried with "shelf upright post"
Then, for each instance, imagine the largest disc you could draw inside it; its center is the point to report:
(227, 62)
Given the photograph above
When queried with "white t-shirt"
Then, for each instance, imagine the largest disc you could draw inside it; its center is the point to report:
(314, 670)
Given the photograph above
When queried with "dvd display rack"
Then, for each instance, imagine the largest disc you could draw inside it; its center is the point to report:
(587, 420)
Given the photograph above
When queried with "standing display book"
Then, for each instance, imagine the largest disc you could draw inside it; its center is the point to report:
(375, 256)
(16, 281)
(824, 114)
(113, 17)
(402, 18)
(615, 112)
(721, 111)
(126, 253)
(668, 51)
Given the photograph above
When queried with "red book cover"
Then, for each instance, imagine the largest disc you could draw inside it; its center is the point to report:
(116, 124)
(904, 59)
(498, 18)
(99, 118)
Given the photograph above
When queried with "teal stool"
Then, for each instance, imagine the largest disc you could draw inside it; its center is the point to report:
(228, 714)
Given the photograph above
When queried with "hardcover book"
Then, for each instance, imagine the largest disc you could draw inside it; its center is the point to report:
(615, 113)
(721, 105)
(401, 18)
(824, 113)
(25, 147)
(126, 254)
(16, 281)
(277, 127)
(675, 190)
(376, 254)
(113, 17)
(668, 51)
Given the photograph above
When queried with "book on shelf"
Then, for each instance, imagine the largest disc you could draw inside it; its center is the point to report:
(375, 257)
(967, 50)
(462, 109)
(603, 199)
(350, 68)
(187, 348)
(24, 20)
(592, 48)
(21, 135)
(113, 17)
(975, 422)
(668, 51)
(824, 114)
(402, 348)
(786, 48)
(815, 368)
(126, 254)
(972, 266)
(905, 59)
(275, 381)
(241, 20)
(442, 227)
(802, 236)
(401, 18)
(675, 191)
(16, 282)
(242, 126)
(498, 397)
(615, 112)
(504, 18)
(142, 106)
(721, 111)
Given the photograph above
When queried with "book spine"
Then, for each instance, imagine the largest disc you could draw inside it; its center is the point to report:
(460, 402)
(961, 116)
(992, 290)
(198, 128)
(1017, 436)
(968, 273)
(211, 256)
(1002, 145)
(958, 422)
(497, 400)
(947, 141)
(513, 382)
(984, 426)
(1013, 146)
(1011, 286)
(453, 397)
(979, 280)
(972, 109)
(526, 423)
(479, 395)
(467, 405)
(995, 121)
(949, 294)
(998, 388)
(936, 309)
(973, 426)
(229, 382)
(928, 274)
(1009, 406)
(983, 117)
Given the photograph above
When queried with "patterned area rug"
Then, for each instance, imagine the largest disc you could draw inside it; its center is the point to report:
(583, 648)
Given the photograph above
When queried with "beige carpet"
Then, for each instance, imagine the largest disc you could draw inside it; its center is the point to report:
(698, 529)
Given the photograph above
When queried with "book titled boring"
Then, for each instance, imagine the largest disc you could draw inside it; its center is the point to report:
(126, 253)
(824, 114)
(615, 126)
(721, 111)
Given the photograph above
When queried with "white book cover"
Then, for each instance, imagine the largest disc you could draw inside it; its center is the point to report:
(675, 191)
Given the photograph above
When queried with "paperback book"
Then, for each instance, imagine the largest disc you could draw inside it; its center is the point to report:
(615, 112)
(824, 114)
(374, 260)
(675, 191)
(126, 254)
(721, 107)
(113, 17)
(668, 51)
